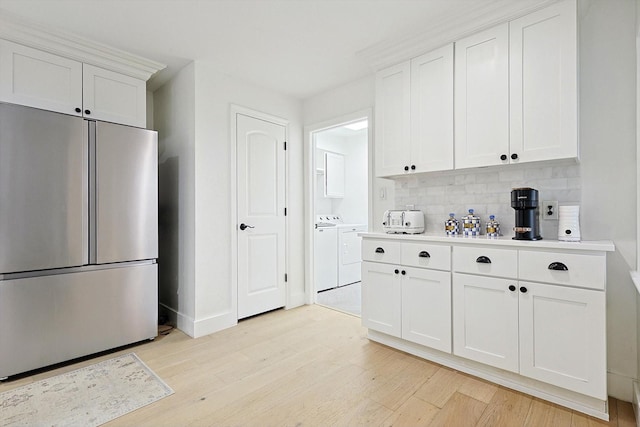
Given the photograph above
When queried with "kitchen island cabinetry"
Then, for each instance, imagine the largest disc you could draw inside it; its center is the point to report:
(527, 315)
(39, 79)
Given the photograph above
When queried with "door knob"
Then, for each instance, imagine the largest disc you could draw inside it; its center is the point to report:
(244, 226)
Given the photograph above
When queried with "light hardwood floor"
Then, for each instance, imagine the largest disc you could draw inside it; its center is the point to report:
(313, 366)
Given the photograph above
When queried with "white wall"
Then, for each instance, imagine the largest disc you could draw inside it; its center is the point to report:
(608, 165)
(203, 298)
(353, 207)
(352, 97)
(174, 119)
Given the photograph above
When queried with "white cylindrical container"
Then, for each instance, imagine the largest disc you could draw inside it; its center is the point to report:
(569, 223)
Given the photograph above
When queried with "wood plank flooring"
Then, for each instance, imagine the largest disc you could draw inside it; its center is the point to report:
(312, 366)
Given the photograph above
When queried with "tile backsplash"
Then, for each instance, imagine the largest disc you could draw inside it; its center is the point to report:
(488, 192)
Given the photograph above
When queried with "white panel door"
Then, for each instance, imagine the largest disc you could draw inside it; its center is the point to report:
(381, 298)
(114, 97)
(426, 308)
(39, 79)
(393, 118)
(485, 320)
(261, 219)
(482, 99)
(544, 86)
(563, 337)
(432, 110)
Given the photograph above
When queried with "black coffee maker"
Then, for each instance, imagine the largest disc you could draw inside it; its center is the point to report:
(525, 202)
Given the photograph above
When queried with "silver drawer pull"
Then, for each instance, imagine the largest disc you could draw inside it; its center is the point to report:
(379, 250)
(483, 260)
(558, 266)
(424, 254)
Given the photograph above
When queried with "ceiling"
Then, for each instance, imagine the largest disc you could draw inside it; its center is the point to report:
(296, 47)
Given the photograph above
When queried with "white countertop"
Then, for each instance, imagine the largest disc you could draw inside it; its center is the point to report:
(585, 245)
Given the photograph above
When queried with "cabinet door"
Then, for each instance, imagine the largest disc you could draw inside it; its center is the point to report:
(543, 89)
(432, 110)
(485, 320)
(381, 298)
(562, 337)
(392, 131)
(426, 308)
(39, 79)
(482, 99)
(114, 97)
(333, 175)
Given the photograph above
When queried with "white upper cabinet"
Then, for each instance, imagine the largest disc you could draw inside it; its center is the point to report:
(333, 175)
(414, 115)
(114, 97)
(515, 99)
(482, 99)
(543, 84)
(432, 111)
(393, 120)
(40, 79)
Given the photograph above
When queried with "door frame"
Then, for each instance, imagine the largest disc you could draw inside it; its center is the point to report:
(310, 180)
(233, 202)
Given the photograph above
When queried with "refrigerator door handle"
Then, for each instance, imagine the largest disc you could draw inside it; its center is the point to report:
(91, 143)
(86, 152)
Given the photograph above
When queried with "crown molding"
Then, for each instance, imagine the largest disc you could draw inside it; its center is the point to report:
(28, 33)
(479, 15)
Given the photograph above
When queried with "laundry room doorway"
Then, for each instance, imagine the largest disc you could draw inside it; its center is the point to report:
(338, 202)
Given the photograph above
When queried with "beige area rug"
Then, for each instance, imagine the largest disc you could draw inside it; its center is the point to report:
(88, 396)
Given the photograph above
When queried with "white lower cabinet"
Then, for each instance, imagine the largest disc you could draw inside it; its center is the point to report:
(485, 320)
(381, 298)
(550, 333)
(537, 314)
(563, 337)
(408, 302)
(426, 308)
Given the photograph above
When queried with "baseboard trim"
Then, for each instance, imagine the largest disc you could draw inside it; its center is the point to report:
(296, 300)
(199, 328)
(636, 402)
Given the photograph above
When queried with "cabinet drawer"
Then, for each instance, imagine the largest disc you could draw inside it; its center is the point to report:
(417, 254)
(381, 251)
(485, 261)
(581, 270)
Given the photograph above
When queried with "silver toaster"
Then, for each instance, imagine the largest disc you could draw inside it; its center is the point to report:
(403, 221)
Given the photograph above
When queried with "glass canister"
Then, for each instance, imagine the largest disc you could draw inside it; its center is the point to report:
(493, 227)
(451, 227)
(471, 224)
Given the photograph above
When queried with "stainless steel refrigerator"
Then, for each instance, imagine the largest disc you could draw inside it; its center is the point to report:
(78, 237)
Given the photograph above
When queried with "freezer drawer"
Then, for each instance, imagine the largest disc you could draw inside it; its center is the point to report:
(51, 319)
(43, 190)
(125, 202)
